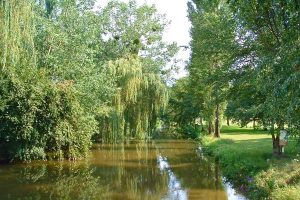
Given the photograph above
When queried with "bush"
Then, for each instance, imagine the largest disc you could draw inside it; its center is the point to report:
(39, 119)
(190, 131)
(280, 182)
(287, 193)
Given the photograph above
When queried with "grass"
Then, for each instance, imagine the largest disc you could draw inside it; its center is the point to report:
(248, 162)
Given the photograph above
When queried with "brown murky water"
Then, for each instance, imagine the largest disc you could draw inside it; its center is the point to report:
(164, 170)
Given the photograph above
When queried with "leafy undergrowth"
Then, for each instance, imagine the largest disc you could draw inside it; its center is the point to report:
(247, 161)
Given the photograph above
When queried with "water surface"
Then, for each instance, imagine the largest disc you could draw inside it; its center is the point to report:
(157, 170)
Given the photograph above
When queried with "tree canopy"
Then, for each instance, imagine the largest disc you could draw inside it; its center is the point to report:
(245, 64)
(71, 74)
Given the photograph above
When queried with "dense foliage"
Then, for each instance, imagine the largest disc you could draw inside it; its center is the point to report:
(70, 73)
(244, 65)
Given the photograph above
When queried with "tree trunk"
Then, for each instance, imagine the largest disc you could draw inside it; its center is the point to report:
(217, 122)
(228, 122)
(126, 129)
(275, 143)
(201, 124)
(281, 127)
(277, 149)
(273, 138)
(209, 127)
(265, 128)
(254, 125)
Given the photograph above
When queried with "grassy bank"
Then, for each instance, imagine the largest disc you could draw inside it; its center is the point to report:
(247, 161)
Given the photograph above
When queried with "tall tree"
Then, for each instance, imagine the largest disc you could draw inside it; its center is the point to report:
(136, 55)
(274, 27)
(17, 34)
(39, 118)
(213, 44)
(68, 72)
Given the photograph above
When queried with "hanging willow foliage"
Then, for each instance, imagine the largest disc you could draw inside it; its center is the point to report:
(39, 119)
(17, 34)
(138, 99)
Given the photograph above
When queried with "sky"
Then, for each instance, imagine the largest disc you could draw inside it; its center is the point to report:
(178, 30)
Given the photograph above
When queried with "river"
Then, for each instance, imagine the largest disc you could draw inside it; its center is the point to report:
(156, 170)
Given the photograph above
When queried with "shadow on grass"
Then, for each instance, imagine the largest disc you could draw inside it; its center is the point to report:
(234, 130)
(255, 143)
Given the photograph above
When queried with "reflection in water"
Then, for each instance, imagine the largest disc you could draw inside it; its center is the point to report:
(43, 181)
(231, 192)
(175, 190)
(167, 170)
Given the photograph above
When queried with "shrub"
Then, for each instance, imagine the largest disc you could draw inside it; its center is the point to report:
(39, 118)
(287, 193)
(190, 131)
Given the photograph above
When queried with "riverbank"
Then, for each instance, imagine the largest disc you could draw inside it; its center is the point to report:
(247, 161)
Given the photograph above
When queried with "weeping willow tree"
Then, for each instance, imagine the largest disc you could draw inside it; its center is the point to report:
(17, 34)
(135, 54)
(58, 77)
(138, 99)
(39, 118)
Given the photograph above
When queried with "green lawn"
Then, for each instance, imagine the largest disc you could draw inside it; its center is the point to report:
(248, 162)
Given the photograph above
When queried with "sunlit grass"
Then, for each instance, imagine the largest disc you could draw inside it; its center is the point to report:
(246, 154)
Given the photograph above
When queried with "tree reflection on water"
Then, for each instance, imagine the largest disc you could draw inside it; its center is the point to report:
(133, 170)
